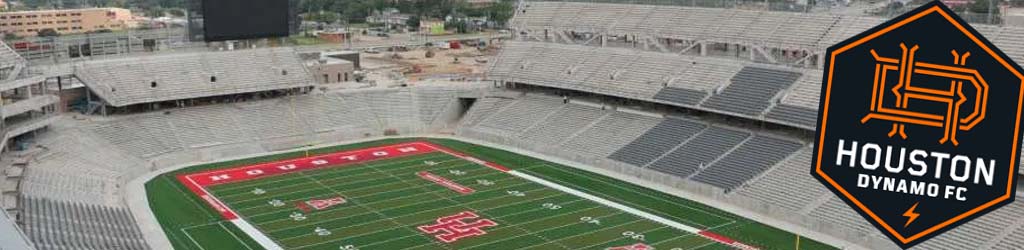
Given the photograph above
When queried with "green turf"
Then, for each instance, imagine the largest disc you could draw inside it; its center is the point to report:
(387, 201)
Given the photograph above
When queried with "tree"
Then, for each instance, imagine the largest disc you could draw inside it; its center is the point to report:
(982, 6)
(414, 21)
(47, 33)
(323, 17)
(11, 37)
(155, 12)
(176, 12)
(501, 12)
(459, 25)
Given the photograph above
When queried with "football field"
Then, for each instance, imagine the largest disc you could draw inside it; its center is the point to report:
(420, 195)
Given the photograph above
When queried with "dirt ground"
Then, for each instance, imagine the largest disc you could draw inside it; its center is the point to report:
(466, 62)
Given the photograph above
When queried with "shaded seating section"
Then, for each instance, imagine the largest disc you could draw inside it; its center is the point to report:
(656, 141)
(752, 90)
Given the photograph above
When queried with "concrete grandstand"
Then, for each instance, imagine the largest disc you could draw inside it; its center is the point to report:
(707, 104)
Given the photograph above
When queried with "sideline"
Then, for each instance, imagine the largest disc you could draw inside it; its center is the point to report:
(138, 203)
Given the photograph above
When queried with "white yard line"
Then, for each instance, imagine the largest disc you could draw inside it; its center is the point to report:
(671, 239)
(417, 223)
(266, 242)
(256, 235)
(507, 215)
(383, 201)
(308, 190)
(558, 227)
(703, 245)
(187, 194)
(609, 203)
(329, 171)
(201, 225)
(615, 239)
(281, 187)
(192, 239)
(647, 195)
(386, 229)
(462, 205)
(233, 235)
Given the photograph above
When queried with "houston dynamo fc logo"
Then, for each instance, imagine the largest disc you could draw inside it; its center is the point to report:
(919, 124)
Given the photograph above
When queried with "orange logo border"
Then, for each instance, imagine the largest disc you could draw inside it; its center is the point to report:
(824, 122)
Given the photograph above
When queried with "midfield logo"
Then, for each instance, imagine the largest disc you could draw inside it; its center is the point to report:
(919, 124)
(320, 204)
(637, 246)
(451, 228)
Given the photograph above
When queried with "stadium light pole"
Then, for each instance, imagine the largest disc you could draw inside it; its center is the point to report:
(990, 5)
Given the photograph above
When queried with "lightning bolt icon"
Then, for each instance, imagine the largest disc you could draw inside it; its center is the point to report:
(911, 215)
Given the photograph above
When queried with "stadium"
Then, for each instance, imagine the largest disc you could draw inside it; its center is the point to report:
(589, 126)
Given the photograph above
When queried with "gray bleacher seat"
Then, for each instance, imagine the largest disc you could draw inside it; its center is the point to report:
(752, 90)
(778, 187)
(52, 224)
(680, 95)
(485, 107)
(703, 149)
(521, 115)
(794, 114)
(656, 141)
(562, 125)
(165, 77)
(748, 160)
(610, 133)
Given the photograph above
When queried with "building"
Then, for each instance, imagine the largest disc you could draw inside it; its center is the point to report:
(432, 27)
(332, 70)
(1013, 17)
(71, 21)
(390, 18)
(481, 3)
(334, 36)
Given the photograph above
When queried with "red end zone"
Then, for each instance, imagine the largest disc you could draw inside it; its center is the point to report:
(197, 182)
(726, 240)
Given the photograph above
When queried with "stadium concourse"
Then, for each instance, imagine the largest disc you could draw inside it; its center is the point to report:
(707, 108)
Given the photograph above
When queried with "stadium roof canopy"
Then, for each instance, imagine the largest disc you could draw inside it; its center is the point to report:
(137, 80)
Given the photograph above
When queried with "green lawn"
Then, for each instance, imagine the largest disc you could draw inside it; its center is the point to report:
(386, 201)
